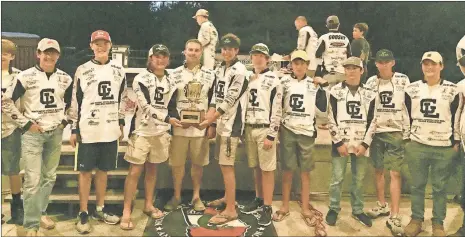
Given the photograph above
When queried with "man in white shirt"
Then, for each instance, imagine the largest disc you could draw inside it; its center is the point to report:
(190, 141)
(434, 106)
(208, 36)
(98, 126)
(11, 136)
(387, 151)
(45, 94)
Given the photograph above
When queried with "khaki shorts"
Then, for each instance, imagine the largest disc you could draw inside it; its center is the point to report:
(225, 149)
(296, 151)
(256, 155)
(387, 151)
(152, 149)
(196, 148)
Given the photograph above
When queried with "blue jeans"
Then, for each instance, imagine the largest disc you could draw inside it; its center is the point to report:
(41, 153)
(358, 167)
(421, 159)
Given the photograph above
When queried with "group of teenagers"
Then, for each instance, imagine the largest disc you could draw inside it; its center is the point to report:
(387, 120)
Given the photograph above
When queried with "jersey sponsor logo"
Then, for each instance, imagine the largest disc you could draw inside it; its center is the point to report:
(337, 37)
(47, 98)
(386, 99)
(296, 102)
(337, 44)
(220, 89)
(158, 98)
(353, 109)
(104, 90)
(428, 108)
(253, 98)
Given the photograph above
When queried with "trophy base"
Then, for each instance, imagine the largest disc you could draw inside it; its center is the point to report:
(192, 117)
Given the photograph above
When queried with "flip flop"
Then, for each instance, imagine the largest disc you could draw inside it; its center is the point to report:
(216, 203)
(225, 218)
(154, 213)
(126, 224)
(281, 215)
(310, 219)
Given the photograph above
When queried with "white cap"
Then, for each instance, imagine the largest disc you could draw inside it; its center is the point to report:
(47, 43)
(201, 12)
(433, 56)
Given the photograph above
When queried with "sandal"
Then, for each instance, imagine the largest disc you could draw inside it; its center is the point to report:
(310, 219)
(280, 215)
(154, 213)
(225, 218)
(126, 224)
(216, 203)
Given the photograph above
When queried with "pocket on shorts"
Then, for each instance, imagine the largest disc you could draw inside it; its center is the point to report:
(132, 140)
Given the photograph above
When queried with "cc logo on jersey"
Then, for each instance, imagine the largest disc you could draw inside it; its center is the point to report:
(296, 102)
(253, 98)
(220, 89)
(47, 98)
(158, 98)
(353, 109)
(104, 90)
(386, 99)
(428, 107)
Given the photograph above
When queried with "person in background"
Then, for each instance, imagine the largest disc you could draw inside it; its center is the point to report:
(208, 36)
(360, 46)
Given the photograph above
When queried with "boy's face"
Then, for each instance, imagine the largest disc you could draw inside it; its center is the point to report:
(7, 57)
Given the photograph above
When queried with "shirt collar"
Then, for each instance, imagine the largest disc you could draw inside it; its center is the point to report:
(440, 81)
(40, 69)
(264, 71)
(165, 72)
(98, 63)
(344, 85)
(293, 76)
(234, 61)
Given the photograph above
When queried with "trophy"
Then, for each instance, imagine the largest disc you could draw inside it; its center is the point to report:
(193, 116)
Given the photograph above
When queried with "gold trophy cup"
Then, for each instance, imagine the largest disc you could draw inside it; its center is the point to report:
(193, 116)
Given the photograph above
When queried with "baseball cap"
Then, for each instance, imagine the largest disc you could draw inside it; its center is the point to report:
(332, 20)
(261, 48)
(230, 42)
(461, 61)
(159, 49)
(354, 61)
(433, 56)
(47, 43)
(384, 55)
(299, 54)
(201, 12)
(100, 34)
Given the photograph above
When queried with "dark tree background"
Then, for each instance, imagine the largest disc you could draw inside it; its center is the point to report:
(407, 28)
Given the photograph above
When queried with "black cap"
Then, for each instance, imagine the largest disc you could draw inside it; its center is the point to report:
(159, 49)
(229, 42)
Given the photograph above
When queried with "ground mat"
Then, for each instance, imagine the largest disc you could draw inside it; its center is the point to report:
(187, 222)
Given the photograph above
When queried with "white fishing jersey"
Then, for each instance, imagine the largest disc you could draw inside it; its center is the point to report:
(301, 99)
(461, 87)
(434, 113)
(230, 98)
(264, 102)
(153, 96)
(335, 49)
(181, 77)
(351, 116)
(44, 99)
(96, 101)
(8, 81)
(391, 115)
(308, 42)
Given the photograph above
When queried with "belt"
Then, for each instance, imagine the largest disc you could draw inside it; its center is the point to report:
(258, 125)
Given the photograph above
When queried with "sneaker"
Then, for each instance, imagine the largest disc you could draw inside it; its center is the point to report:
(47, 223)
(83, 225)
(413, 228)
(106, 217)
(438, 230)
(379, 210)
(460, 232)
(252, 206)
(331, 217)
(265, 216)
(363, 218)
(172, 204)
(394, 223)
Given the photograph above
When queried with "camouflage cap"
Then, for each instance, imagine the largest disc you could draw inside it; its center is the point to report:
(332, 20)
(353, 61)
(159, 49)
(260, 48)
(384, 55)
